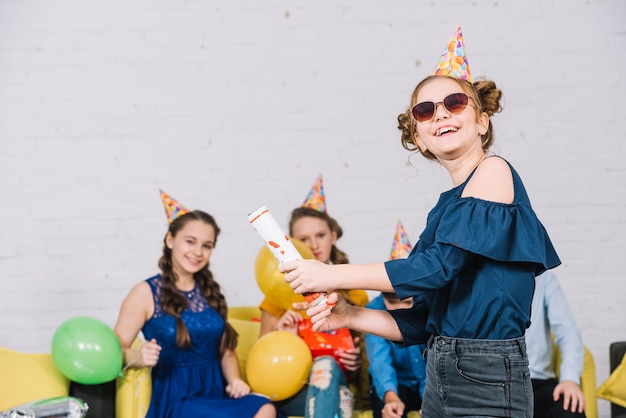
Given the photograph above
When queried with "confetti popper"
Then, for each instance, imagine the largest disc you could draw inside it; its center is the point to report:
(280, 245)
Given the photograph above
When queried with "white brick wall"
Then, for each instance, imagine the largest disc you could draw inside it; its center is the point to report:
(228, 105)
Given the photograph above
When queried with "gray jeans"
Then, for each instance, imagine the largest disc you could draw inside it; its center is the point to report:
(477, 378)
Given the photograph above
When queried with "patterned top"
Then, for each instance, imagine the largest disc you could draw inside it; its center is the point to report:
(189, 382)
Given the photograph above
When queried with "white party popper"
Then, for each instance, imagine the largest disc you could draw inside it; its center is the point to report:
(279, 244)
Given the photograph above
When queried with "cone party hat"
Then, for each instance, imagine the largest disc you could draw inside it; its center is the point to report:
(173, 209)
(401, 247)
(316, 199)
(453, 62)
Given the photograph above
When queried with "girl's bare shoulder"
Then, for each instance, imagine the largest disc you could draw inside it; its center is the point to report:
(492, 181)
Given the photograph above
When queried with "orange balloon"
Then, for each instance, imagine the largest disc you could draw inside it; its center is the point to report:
(272, 282)
(278, 365)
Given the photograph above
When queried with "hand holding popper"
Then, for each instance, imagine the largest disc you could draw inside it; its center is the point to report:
(280, 245)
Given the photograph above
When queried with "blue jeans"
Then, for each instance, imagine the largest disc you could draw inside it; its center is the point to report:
(477, 378)
(328, 395)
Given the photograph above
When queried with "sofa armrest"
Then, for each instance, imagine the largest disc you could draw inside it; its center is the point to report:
(133, 390)
(588, 385)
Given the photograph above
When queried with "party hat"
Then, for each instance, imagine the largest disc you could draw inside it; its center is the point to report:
(401, 246)
(453, 62)
(173, 209)
(316, 199)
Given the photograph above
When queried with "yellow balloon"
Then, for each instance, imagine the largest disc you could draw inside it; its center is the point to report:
(278, 365)
(272, 282)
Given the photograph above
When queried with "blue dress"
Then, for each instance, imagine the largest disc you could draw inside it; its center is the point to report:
(189, 382)
(473, 269)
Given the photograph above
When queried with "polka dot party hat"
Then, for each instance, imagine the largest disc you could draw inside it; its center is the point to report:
(453, 62)
(401, 247)
(173, 209)
(316, 199)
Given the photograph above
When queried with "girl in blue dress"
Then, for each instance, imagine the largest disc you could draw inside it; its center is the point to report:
(189, 344)
(472, 271)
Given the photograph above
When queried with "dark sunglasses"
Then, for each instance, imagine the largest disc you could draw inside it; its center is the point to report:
(455, 103)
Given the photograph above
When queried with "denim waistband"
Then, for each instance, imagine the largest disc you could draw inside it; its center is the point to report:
(464, 345)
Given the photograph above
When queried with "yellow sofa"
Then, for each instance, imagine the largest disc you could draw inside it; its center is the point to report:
(133, 391)
(30, 377)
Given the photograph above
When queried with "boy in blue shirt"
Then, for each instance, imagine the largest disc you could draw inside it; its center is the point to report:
(397, 374)
(551, 313)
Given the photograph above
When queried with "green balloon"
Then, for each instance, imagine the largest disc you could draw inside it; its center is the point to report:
(87, 351)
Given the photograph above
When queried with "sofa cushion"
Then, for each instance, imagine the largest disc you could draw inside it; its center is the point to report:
(614, 388)
(249, 313)
(28, 377)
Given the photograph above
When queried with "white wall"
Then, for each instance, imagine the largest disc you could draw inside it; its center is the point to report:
(228, 105)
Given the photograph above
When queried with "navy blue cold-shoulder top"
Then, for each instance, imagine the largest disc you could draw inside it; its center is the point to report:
(474, 266)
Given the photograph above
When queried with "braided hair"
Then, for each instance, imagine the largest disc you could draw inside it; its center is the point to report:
(173, 303)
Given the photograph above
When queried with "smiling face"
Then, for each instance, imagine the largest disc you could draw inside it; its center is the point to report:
(316, 234)
(191, 247)
(447, 135)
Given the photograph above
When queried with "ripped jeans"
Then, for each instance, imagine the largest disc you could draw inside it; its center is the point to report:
(328, 395)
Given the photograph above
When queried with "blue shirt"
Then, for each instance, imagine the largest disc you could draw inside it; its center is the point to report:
(551, 312)
(475, 262)
(392, 365)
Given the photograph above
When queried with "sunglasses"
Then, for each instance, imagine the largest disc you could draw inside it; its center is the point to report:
(455, 103)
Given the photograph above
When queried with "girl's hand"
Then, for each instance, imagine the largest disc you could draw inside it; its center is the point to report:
(289, 322)
(351, 358)
(333, 314)
(306, 275)
(237, 388)
(150, 352)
